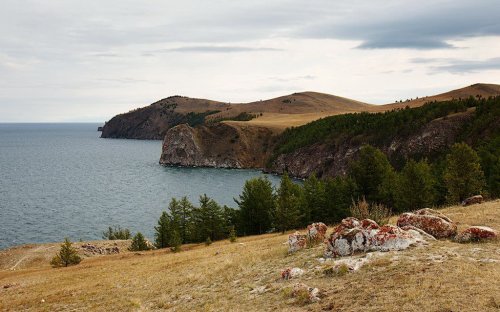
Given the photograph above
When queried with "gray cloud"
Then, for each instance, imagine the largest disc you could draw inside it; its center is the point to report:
(456, 66)
(212, 49)
(428, 25)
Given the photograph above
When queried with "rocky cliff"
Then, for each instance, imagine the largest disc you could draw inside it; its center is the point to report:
(326, 159)
(152, 122)
(220, 145)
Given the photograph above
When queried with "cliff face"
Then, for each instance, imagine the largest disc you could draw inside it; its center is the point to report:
(152, 122)
(220, 145)
(333, 159)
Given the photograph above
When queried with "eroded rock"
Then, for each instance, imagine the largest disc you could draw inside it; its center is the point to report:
(93, 250)
(296, 241)
(476, 233)
(316, 232)
(291, 273)
(477, 199)
(430, 221)
(351, 237)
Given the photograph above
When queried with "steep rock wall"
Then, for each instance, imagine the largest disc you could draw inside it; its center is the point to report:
(220, 145)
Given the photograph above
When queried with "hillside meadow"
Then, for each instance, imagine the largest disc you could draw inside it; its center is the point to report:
(245, 276)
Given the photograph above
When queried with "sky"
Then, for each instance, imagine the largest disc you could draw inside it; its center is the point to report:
(86, 61)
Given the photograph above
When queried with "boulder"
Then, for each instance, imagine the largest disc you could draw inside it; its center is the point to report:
(351, 237)
(296, 241)
(477, 199)
(291, 273)
(316, 232)
(476, 233)
(430, 221)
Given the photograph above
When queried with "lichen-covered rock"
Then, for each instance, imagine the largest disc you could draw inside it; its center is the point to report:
(477, 199)
(346, 240)
(302, 291)
(430, 221)
(369, 224)
(296, 241)
(422, 232)
(291, 273)
(476, 233)
(316, 232)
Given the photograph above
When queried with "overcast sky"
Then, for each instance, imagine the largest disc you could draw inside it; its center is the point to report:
(64, 60)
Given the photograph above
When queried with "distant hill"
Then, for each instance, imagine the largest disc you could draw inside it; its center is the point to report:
(277, 114)
(152, 122)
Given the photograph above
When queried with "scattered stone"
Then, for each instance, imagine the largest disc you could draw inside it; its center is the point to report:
(8, 286)
(296, 241)
(477, 199)
(259, 290)
(301, 290)
(92, 250)
(42, 301)
(291, 273)
(430, 221)
(476, 233)
(316, 232)
(350, 237)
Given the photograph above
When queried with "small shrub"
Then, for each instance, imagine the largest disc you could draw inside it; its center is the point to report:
(116, 233)
(339, 270)
(67, 255)
(139, 243)
(208, 242)
(302, 296)
(232, 235)
(361, 209)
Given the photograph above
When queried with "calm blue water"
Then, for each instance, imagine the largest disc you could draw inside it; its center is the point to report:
(59, 180)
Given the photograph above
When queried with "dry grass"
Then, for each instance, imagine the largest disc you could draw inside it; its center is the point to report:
(444, 276)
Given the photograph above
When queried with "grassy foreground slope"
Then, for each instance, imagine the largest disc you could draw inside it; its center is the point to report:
(444, 276)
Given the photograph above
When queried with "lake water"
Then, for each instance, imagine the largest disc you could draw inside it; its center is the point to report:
(62, 180)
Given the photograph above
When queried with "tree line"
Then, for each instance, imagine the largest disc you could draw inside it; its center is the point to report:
(263, 208)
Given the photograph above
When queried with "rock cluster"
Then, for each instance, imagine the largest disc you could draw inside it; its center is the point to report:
(315, 234)
(476, 233)
(353, 235)
(92, 250)
(430, 221)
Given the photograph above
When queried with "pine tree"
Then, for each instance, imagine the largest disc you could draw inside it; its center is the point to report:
(287, 212)
(339, 194)
(374, 175)
(163, 230)
(415, 187)
(314, 206)
(463, 175)
(256, 204)
(232, 235)
(139, 243)
(208, 241)
(67, 255)
(181, 212)
(175, 241)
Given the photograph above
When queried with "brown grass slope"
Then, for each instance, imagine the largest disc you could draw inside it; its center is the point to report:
(479, 89)
(444, 276)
